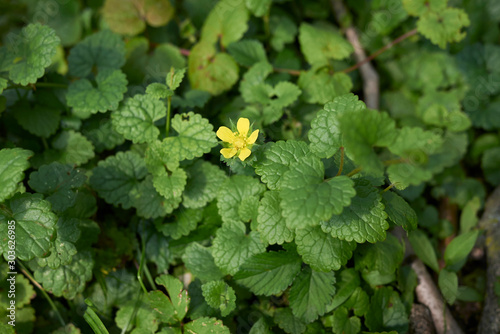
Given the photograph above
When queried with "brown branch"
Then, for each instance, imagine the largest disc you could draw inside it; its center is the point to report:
(381, 50)
(368, 73)
(490, 221)
(429, 295)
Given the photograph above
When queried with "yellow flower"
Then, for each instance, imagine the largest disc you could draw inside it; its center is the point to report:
(239, 142)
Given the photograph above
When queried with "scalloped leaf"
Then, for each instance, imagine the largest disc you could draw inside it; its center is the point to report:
(219, 296)
(269, 273)
(135, 119)
(33, 52)
(307, 199)
(84, 97)
(103, 50)
(14, 163)
(35, 225)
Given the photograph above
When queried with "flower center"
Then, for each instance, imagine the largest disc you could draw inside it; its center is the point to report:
(239, 143)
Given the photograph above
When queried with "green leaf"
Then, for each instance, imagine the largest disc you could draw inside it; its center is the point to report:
(84, 97)
(203, 183)
(144, 197)
(387, 312)
(185, 222)
(130, 18)
(271, 224)
(67, 280)
(158, 90)
(420, 7)
(307, 199)
(443, 26)
(227, 21)
(319, 86)
(34, 225)
(211, 71)
(39, 120)
(260, 327)
(399, 211)
(206, 326)
(259, 7)
(278, 158)
(174, 78)
(359, 302)
(424, 249)
(310, 293)
(219, 296)
(490, 163)
(135, 119)
(343, 324)
(322, 251)
(118, 176)
(136, 313)
(72, 148)
(378, 262)
(468, 217)
(459, 248)
(170, 185)
(102, 50)
(200, 262)
(58, 181)
(325, 136)
(321, 43)
(346, 286)
(14, 161)
(364, 220)
(247, 52)
(283, 31)
(33, 52)
(285, 319)
(448, 284)
(414, 146)
(231, 247)
(63, 248)
(195, 136)
(269, 273)
(178, 296)
(104, 137)
(364, 129)
(233, 191)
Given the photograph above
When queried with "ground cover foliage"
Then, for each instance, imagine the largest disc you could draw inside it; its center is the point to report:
(130, 220)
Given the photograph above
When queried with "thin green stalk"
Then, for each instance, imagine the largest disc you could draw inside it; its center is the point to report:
(141, 267)
(150, 278)
(341, 161)
(93, 319)
(45, 145)
(354, 172)
(388, 188)
(26, 272)
(169, 101)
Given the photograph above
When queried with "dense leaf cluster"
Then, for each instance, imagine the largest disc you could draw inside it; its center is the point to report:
(124, 207)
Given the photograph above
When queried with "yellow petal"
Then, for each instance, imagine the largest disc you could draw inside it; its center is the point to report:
(243, 126)
(244, 154)
(253, 137)
(228, 152)
(225, 134)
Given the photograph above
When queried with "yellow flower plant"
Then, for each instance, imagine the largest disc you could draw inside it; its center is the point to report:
(240, 143)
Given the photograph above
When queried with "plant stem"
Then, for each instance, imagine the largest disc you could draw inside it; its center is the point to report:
(341, 161)
(388, 188)
(381, 50)
(169, 102)
(45, 145)
(25, 271)
(354, 172)
(141, 267)
(286, 70)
